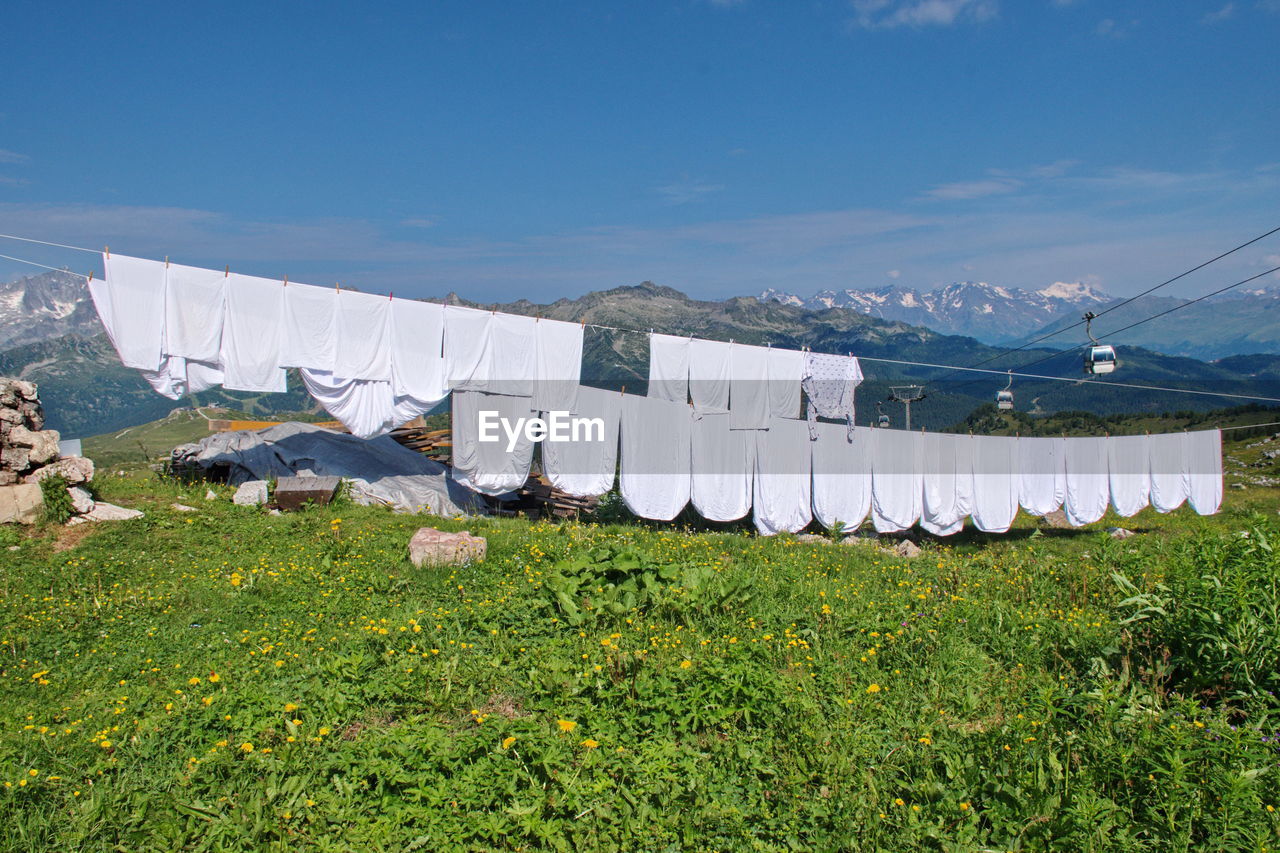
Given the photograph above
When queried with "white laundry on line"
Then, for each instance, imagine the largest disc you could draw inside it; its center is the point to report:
(309, 326)
(251, 335)
(748, 387)
(829, 382)
(1129, 473)
(782, 498)
(723, 468)
(1088, 490)
(842, 474)
(1170, 479)
(363, 350)
(416, 341)
(558, 369)
(586, 467)
(996, 482)
(654, 470)
(668, 368)
(367, 407)
(947, 466)
(897, 481)
(195, 302)
(1204, 470)
(786, 370)
(1042, 474)
(131, 303)
(709, 376)
(487, 466)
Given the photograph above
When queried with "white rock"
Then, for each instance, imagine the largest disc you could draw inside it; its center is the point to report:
(183, 508)
(81, 500)
(252, 493)
(1119, 533)
(210, 495)
(106, 512)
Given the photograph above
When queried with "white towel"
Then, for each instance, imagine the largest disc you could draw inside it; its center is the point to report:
(130, 304)
(309, 329)
(782, 500)
(1204, 470)
(842, 474)
(947, 481)
(487, 466)
(1088, 489)
(586, 468)
(367, 407)
(417, 360)
(195, 301)
(466, 343)
(1129, 473)
(655, 465)
(897, 484)
(786, 370)
(1042, 473)
(364, 345)
(1170, 482)
(723, 468)
(996, 482)
(507, 360)
(709, 377)
(829, 382)
(748, 387)
(668, 368)
(558, 350)
(251, 335)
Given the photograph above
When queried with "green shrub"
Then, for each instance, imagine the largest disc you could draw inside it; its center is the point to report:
(57, 502)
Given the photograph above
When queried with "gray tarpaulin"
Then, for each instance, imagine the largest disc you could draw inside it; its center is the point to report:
(380, 470)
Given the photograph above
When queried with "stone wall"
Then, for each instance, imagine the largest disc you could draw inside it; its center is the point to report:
(29, 453)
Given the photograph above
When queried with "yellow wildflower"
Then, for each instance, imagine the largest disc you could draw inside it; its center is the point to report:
(590, 743)
(508, 741)
(566, 725)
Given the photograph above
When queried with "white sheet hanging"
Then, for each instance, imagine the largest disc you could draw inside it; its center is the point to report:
(558, 351)
(842, 474)
(996, 482)
(130, 303)
(1129, 473)
(748, 387)
(782, 497)
(417, 351)
(194, 304)
(1088, 490)
(786, 370)
(309, 327)
(654, 477)
(709, 376)
(1170, 480)
(1204, 470)
(586, 468)
(367, 407)
(829, 382)
(364, 346)
(251, 335)
(947, 481)
(1042, 473)
(668, 368)
(487, 466)
(723, 468)
(897, 484)
(466, 341)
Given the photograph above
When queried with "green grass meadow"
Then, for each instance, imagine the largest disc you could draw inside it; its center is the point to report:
(232, 680)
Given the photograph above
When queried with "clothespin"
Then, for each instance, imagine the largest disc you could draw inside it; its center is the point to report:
(226, 273)
(286, 279)
(166, 261)
(336, 289)
(106, 250)
(391, 296)
(624, 390)
(584, 323)
(90, 275)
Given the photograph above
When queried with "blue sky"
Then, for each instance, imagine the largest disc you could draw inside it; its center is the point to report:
(716, 146)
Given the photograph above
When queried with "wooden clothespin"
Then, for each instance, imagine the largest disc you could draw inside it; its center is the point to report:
(226, 273)
(336, 288)
(286, 279)
(166, 261)
(624, 390)
(391, 295)
(90, 275)
(106, 250)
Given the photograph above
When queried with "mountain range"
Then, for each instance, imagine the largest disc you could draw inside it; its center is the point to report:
(1235, 323)
(86, 391)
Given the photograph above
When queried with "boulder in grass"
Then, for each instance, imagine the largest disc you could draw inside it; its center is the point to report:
(907, 548)
(1119, 533)
(22, 503)
(74, 469)
(431, 547)
(81, 501)
(1057, 520)
(106, 512)
(252, 493)
(812, 539)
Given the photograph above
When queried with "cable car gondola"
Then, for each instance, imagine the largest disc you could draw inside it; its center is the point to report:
(1099, 358)
(882, 420)
(1004, 397)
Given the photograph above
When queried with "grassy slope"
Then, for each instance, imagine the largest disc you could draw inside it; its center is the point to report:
(234, 680)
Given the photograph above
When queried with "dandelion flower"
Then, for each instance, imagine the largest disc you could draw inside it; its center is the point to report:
(289, 707)
(246, 747)
(964, 807)
(590, 743)
(566, 726)
(899, 802)
(508, 741)
(873, 688)
(324, 730)
(685, 664)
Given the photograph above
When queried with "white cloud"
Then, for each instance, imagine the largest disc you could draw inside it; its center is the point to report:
(1221, 15)
(1111, 28)
(12, 157)
(889, 14)
(965, 190)
(686, 191)
(894, 273)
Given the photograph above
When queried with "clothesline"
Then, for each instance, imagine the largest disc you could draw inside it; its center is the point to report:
(905, 362)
